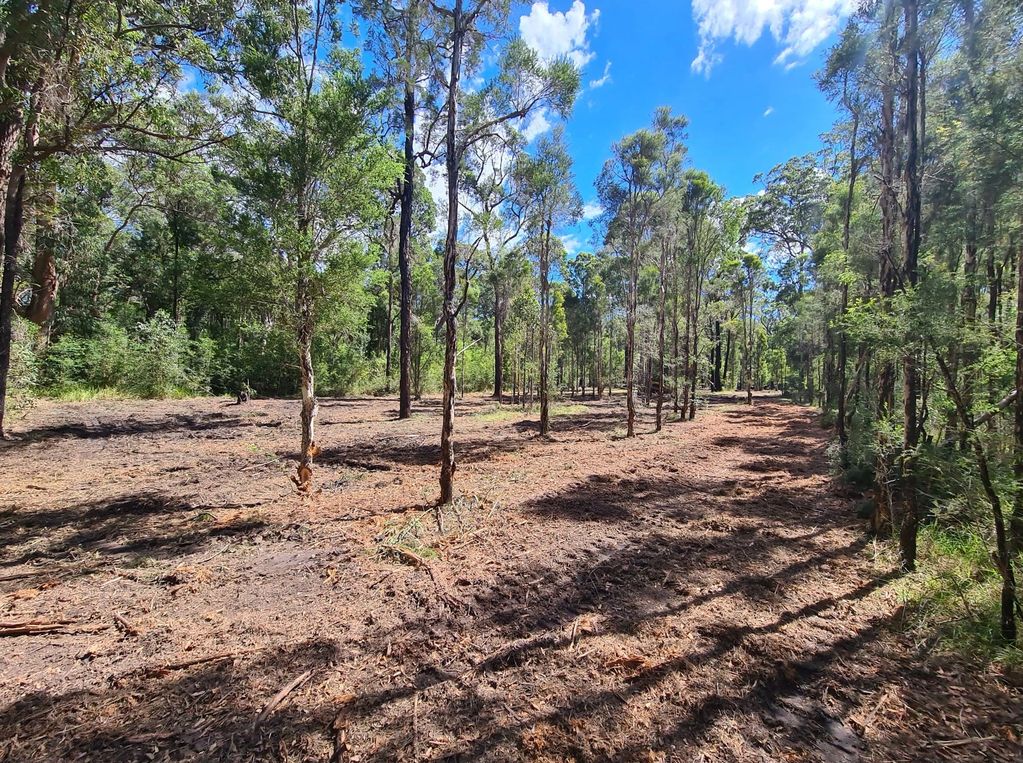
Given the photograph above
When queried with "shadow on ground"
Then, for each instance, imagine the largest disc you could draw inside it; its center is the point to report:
(641, 612)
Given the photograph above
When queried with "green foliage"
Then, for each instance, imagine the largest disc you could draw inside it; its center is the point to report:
(155, 359)
(24, 369)
(953, 600)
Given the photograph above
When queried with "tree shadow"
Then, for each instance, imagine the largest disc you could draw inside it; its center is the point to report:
(669, 605)
(206, 712)
(137, 525)
(384, 454)
(168, 424)
(596, 420)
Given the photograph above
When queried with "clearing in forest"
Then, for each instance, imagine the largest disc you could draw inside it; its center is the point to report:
(705, 593)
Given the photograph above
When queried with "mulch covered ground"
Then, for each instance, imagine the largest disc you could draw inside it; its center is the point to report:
(705, 593)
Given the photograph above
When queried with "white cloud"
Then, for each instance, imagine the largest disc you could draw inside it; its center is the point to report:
(591, 210)
(768, 111)
(557, 34)
(537, 125)
(603, 79)
(572, 244)
(798, 26)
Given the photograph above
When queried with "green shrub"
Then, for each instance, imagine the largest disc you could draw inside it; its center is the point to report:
(22, 377)
(157, 363)
(955, 596)
(156, 359)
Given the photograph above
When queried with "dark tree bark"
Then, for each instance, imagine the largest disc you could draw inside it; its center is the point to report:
(674, 331)
(630, 341)
(388, 365)
(728, 354)
(1016, 523)
(716, 381)
(13, 220)
(911, 248)
(309, 450)
(498, 344)
(545, 339)
(889, 204)
(660, 335)
(695, 350)
(843, 340)
(450, 308)
(405, 243)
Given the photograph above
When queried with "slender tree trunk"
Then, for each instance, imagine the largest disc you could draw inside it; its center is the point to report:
(12, 126)
(728, 355)
(686, 349)
(717, 355)
(1003, 550)
(889, 198)
(447, 445)
(545, 349)
(308, 450)
(388, 365)
(911, 247)
(405, 230)
(515, 379)
(882, 518)
(694, 355)
(1016, 523)
(674, 331)
(749, 346)
(843, 339)
(498, 346)
(13, 220)
(611, 350)
(660, 336)
(630, 341)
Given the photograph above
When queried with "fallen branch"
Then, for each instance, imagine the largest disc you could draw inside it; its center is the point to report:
(36, 627)
(421, 564)
(125, 626)
(171, 666)
(279, 697)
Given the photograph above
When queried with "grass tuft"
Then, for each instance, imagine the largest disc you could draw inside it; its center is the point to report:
(954, 597)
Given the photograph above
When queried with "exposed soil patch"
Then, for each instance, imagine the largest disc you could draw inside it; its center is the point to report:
(700, 594)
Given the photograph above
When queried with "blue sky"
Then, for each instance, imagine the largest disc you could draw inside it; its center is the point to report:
(741, 70)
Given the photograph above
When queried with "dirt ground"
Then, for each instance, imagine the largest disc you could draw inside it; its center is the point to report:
(705, 593)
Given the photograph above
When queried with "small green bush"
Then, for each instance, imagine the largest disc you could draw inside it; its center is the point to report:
(155, 359)
(955, 595)
(22, 377)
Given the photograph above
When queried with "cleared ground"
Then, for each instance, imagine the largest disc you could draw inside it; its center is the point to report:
(705, 593)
